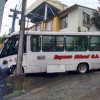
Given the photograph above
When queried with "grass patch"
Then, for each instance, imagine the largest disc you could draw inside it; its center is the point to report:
(16, 92)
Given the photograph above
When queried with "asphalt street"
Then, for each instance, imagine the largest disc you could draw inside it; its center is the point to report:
(62, 86)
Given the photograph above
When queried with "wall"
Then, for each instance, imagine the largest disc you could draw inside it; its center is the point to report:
(89, 12)
(72, 21)
(75, 20)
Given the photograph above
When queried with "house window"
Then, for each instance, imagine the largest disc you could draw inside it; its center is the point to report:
(86, 19)
(49, 26)
(38, 27)
(64, 22)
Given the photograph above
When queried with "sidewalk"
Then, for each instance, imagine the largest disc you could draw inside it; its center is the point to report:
(93, 94)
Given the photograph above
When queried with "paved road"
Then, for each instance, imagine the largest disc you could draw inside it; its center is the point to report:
(66, 86)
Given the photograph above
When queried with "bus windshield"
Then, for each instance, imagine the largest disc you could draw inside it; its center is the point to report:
(11, 46)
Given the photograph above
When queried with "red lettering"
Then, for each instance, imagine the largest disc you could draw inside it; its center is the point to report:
(62, 57)
(15, 59)
(94, 56)
(65, 57)
(69, 57)
(97, 56)
(81, 56)
(56, 57)
(76, 56)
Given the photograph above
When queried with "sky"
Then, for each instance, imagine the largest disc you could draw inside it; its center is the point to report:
(7, 21)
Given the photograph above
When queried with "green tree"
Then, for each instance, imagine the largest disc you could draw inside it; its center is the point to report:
(2, 39)
(96, 19)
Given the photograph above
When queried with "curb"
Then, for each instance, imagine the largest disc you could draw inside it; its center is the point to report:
(10, 96)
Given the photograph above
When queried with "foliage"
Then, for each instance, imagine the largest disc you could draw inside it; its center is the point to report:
(96, 19)
(79, 29)
(2, 39)
(16, 91)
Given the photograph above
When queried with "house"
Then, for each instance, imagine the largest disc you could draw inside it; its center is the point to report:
(76, 18)
(42, 10)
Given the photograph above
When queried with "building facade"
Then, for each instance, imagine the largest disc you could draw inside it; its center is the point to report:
(73, 19)
(2, 4)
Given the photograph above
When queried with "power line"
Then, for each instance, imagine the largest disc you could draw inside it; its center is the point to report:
(19, 5)
(81, 3)
(4, 8)
(73, 2)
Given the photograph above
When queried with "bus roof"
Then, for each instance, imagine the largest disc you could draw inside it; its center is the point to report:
(56, 33)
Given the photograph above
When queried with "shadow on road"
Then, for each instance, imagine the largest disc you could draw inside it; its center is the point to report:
(33, 81)
(57, 74)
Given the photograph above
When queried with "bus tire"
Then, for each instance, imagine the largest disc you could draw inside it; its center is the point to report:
(13, 68)
(22, 69)
(82, 68)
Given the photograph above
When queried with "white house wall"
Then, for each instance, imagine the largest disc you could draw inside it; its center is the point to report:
(72, 21)
(75, 20)
(89, 12)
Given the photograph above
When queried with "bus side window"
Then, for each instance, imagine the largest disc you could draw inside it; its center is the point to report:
(53, 43)
(94, 43)
(35, 43)
(76, 43)
(14, 47)
(15, 44)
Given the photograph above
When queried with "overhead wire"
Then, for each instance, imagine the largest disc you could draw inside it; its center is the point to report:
(19, 5)
(6, 7)
(71, 2)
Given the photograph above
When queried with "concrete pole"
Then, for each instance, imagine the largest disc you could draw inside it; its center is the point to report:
(21, 37)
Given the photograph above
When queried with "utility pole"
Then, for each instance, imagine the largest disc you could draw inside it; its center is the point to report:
(21, 37)
(14, 16)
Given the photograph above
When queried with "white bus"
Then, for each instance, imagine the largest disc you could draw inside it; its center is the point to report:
(53, 52)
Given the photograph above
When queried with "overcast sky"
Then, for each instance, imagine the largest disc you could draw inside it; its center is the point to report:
(7, 21)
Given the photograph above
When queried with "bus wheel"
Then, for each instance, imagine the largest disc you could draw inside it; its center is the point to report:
(22, 69)
(82, 68)
(13, 69)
